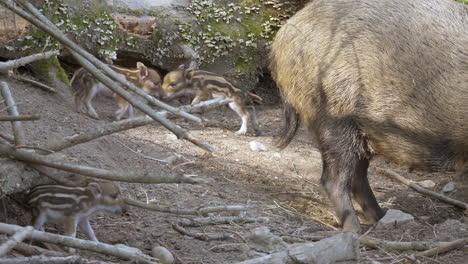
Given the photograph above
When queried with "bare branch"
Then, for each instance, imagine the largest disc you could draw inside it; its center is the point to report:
(27, 156)
(18, 237)
(444, 248)
(182, 211)
(18, 131)
(20, 118)
(121, 252)
(399, 245)
(441, 197)
(33, 82)
(118, 126)
(12, 64)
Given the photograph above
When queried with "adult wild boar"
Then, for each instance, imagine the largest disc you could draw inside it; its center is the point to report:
(374, 77)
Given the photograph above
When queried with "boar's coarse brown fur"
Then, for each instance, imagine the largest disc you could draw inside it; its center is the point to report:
(375, 77)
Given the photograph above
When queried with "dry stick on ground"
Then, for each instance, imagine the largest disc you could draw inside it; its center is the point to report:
(444, 248)
(33, 82)
(20, 118)
(441, 197)
(119, 126)
(18, 237)
(90, 63)
(51, 260)
(401, 246)
(12, 64)
(121, 252)
(184, 211)
(10, 102)
(197, 222)
(26, 156)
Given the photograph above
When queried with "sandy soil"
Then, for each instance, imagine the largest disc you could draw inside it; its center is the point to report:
(281, 185)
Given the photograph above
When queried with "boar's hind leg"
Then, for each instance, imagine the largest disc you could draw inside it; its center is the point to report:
(345, 161)
(363, 195)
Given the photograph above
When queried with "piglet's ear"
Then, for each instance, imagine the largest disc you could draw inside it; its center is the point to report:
(188, 74)
(143, 69)
(94, 189)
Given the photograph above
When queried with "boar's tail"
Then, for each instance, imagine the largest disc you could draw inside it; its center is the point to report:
(288, 130)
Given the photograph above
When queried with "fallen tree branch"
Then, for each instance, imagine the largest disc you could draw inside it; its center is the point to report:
(12, 64)
(98, 247)
(50, 260)
(183, 211)
(27, 156)
(20, 118)
(18, 237)
(444, 248)
(412, 184)
(399, 245)
(122, 125)
(33, 82)
(30, 250)
(18, 131)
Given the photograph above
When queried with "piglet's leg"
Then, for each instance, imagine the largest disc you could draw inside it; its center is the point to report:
(86, 228)
(70, 222)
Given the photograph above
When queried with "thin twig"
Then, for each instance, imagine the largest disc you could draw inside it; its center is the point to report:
(393, 175)
(18, 131)
(33, 82)
(201, 236)
(20, 118)
(139, 154)
(187, 211)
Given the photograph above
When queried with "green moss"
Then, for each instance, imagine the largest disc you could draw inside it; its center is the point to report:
(44, 68)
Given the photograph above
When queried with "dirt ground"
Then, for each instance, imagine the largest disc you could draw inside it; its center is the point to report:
(280, 185)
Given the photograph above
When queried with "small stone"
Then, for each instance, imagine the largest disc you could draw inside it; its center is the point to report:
(427, 184)
(449, 187)
(257, 146)
(171, 137)
(277, 155)
(162, 254)
(394, 218)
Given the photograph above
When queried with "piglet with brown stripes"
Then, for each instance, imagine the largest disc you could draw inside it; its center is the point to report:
(73, 206)
(208, 85)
